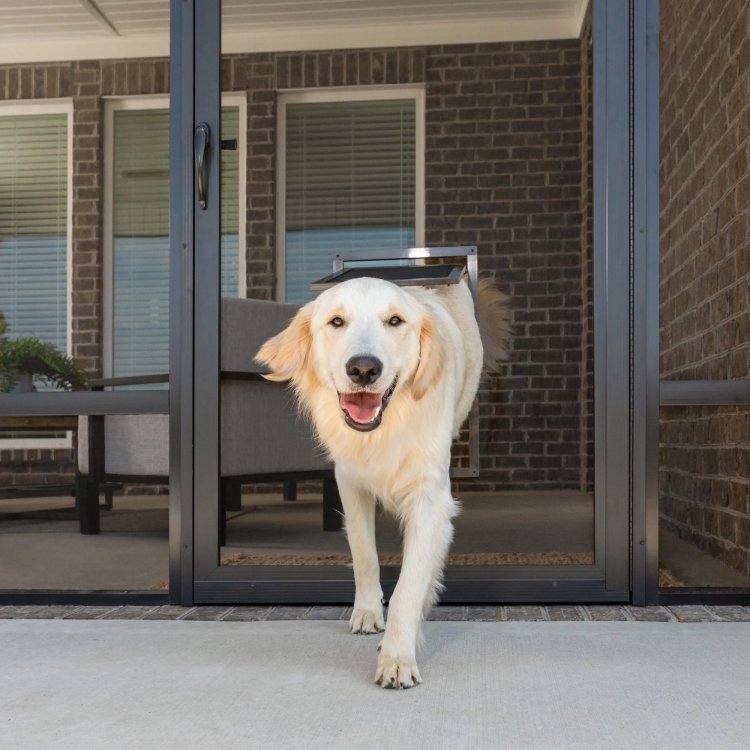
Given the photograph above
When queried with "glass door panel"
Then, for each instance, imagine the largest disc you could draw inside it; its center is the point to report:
(507, 160)
(84, 464)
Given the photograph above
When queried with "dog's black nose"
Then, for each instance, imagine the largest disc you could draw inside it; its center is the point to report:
(364, 370)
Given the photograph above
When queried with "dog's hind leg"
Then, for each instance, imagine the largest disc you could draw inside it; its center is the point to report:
(359, 521)
(428, 531)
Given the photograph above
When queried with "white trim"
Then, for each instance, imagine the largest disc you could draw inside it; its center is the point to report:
(580, 14)
(405, 34)
(352, 93)
(35, 107)
(138, 101)
(161, 102)
(345, 94)
(239, 99)
(30, 444)
(96, 13)
(111, 105)
(51, 107)
(281, 197)
(69, 338)
(419, 146)
(107, 240)
(296, 39)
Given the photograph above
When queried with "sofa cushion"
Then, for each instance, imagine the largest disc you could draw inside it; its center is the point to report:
(261, 431)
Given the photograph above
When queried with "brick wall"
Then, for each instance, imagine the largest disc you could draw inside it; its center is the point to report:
(505, 138)
(705, 269)
(503, 171)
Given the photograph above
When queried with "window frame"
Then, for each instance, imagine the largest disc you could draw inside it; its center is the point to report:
(142, 102)
(64, 106)
(344, 94)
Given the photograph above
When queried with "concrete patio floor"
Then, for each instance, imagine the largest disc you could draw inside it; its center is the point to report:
(308, 684)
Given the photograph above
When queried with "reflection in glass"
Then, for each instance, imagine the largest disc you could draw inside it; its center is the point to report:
(500, 171)
(350, 180)
(34, 226)
(140, 244)
(704, 496)
(41, 546)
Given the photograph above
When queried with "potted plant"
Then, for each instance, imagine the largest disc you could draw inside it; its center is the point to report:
(24, 359)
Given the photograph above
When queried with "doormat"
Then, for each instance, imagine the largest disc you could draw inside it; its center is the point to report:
(667, 579)
(394, 558)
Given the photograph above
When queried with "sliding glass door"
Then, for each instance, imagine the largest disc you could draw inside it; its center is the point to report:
(547, 512)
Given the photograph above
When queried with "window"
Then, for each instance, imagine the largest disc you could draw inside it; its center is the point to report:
(137, 229)
(35, 196)
(34, 215)
(350, 177)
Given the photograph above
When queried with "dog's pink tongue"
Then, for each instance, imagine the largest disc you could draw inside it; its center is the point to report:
(362, 407)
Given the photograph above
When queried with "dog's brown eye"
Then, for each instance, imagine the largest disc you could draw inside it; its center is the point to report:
(336, 322)
(395, 321)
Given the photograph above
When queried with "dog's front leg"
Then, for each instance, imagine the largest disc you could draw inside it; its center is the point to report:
(359, 515)
(427, 535)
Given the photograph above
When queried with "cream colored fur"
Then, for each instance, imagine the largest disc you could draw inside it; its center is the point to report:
(436, 358)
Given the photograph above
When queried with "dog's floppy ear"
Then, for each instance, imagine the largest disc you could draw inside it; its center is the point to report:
(286, 353)
(431, 358)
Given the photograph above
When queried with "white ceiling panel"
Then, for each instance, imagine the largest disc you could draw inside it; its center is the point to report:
(42, 30)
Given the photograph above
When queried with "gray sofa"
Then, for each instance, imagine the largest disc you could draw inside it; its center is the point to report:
(263, 439)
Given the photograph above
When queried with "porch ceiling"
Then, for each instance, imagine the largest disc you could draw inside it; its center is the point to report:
(47, 30)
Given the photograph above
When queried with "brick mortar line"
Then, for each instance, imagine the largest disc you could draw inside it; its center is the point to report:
(697, 531)
(707, 300)
(684, 186)
(691, 311)
(629, 612)
(711, 477)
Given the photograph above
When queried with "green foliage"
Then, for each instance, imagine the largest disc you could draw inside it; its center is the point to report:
(41, 360)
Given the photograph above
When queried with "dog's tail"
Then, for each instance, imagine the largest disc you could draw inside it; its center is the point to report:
(493, 315)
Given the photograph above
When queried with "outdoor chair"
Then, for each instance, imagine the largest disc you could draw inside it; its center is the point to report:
(263, 439)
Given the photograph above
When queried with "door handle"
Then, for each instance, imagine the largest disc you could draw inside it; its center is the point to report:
(201, 143)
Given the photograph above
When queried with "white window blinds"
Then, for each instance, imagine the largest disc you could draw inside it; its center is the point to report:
(349, 184)
(140, 243)
(34, 226)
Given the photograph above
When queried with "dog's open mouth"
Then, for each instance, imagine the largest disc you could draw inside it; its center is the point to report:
(363, 410)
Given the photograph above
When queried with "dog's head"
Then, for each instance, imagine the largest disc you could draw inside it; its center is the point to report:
(367, 340)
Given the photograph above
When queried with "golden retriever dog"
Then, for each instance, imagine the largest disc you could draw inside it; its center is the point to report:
(388, 375)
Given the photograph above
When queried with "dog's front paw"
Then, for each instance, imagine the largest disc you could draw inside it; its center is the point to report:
(396, 671)
(367, 620)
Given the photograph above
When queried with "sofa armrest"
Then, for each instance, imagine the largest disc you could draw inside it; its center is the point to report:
(99, 384)
(246, 324)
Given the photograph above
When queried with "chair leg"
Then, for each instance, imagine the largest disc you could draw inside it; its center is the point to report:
(222, 519)
(87, 504)
(290, 491)
(333, 510)
(230, 498)
(231, 491)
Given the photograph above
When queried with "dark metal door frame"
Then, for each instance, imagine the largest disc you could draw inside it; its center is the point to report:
(619, 28)
(195, 285)
(645, 354)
